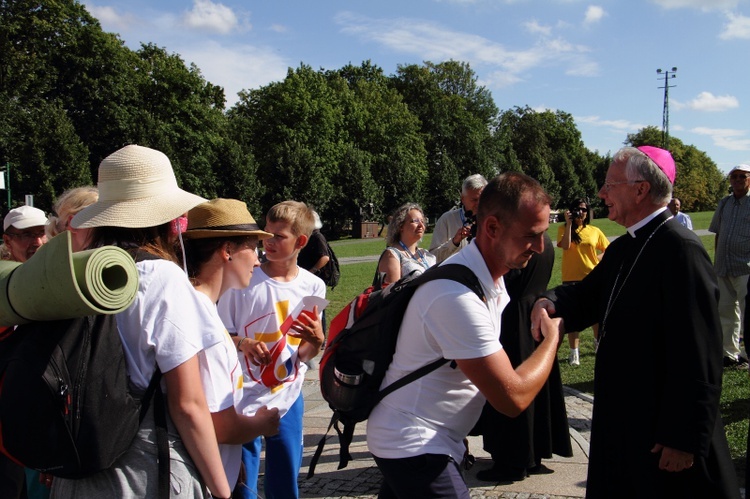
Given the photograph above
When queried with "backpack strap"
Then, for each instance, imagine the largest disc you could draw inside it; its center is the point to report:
(160, 410)
(412, 376)
(160, 419)
(455, 272)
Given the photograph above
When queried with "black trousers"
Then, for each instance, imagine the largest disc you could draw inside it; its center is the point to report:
(423, 476)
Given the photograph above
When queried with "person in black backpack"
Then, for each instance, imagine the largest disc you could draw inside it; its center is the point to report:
(416, 432)
(162, 331)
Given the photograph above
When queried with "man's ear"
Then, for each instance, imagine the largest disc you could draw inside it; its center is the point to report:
(492, 226)
(642, 192)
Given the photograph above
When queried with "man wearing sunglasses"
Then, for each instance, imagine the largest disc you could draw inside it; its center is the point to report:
(731, 224)
(23, 232)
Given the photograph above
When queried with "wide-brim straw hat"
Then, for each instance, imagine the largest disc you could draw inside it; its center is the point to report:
(137, 189)
(222, 218)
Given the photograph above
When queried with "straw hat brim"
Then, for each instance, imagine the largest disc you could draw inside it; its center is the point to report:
(137, 213)
(208, 233)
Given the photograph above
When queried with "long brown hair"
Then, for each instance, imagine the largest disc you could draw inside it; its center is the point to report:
(156, 241)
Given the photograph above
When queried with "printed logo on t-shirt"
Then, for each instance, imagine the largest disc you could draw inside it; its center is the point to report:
(272, 330)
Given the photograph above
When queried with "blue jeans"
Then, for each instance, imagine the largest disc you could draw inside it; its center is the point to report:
(283, 459)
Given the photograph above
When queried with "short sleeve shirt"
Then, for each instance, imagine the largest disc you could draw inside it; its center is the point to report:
(259, 312)
(164, 325)
(222, 380)
(731, 223)
(443, 319)
(581, 258)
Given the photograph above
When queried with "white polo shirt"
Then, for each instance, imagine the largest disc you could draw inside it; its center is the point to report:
(433, 414)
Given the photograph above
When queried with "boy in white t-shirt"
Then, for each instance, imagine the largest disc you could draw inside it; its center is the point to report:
(272, 353)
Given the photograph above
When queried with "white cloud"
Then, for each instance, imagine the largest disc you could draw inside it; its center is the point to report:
(237, 67)
(111, 18)
(594, 14)
(726, 138)
(279, 28)
(617, 125)
(583, 67)
(535, 28)
(737, 26)
(431, 41)
(697, 4)
(710, 103)
(499, 79)
(211, 17)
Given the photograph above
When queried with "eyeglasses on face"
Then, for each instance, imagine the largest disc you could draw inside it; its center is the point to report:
(608, 185)
(418, 221)
(738, 176)
(26, 237)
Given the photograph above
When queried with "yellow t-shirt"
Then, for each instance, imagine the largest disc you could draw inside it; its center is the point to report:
(580, 259)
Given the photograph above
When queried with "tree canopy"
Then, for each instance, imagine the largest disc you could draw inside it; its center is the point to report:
(343, 140)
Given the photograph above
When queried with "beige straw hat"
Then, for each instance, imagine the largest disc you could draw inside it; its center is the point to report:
(137, 189)
(222, 218)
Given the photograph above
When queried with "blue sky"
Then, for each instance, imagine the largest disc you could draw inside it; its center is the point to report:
(595, 60)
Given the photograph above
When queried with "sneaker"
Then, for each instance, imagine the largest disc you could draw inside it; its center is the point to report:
(573, 359)
(739, 363)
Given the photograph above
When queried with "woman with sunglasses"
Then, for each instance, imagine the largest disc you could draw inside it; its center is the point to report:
(583, 247)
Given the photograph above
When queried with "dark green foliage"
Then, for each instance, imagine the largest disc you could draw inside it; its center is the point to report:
(548, 147)
(456, 116)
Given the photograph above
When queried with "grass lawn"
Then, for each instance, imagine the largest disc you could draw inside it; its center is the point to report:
(735, 397)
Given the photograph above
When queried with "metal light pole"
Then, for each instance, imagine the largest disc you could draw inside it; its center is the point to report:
(665, 115)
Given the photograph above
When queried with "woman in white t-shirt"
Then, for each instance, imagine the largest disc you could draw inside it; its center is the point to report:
(138, 201)
(220, 254)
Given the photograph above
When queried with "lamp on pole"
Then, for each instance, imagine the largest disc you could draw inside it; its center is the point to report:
(665, 114)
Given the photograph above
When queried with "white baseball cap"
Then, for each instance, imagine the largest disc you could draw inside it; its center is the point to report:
(740, 168)
(24, 217)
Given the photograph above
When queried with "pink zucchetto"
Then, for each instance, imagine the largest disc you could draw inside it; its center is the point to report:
(663, 160)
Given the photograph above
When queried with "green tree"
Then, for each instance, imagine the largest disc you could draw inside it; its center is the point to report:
(548, 146)
(46, 156)
(55, 50)
(182, 115)
(391, 157)
(457, 116)
(292, 128)
(698, 181)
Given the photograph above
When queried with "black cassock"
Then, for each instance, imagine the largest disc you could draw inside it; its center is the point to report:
(659, 365)
(542, 429)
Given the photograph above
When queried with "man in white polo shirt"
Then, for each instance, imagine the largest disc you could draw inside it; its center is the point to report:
(416, 433)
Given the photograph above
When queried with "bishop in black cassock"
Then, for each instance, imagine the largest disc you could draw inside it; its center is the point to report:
(656, 429)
